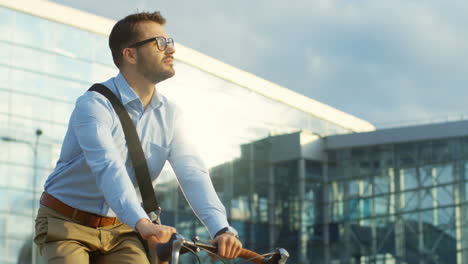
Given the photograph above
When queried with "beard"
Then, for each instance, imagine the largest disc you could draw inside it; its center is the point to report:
(153, 71)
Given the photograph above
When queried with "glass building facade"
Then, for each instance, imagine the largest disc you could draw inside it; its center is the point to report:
(394, 202)
(402, 202)
(45, 65)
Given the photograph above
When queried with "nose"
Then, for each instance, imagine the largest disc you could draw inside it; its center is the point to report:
(170, 50)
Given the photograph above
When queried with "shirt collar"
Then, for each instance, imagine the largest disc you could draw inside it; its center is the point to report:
(156, 101)
(126, 92)
(128, 95)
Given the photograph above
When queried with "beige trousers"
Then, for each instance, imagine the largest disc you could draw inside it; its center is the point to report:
(62, 240)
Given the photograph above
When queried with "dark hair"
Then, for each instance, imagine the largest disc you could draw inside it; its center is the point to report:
(125, 32)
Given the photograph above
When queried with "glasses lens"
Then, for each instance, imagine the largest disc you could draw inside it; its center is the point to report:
(161, 43)
(170, 42)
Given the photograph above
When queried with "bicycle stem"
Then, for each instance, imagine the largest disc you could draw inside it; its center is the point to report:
(176, 246)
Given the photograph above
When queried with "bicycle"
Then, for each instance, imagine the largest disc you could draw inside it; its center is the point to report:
(178, 245)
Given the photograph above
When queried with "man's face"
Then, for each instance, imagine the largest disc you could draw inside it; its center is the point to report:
(155, 65)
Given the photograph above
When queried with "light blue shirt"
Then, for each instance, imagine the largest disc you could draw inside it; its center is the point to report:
(95, 174)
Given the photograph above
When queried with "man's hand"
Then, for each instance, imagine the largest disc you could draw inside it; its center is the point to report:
(229, 246)
(159, 233)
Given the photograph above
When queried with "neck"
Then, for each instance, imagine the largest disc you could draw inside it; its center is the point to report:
(143, 88)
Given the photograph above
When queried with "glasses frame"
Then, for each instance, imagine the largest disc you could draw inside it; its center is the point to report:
(168, 41)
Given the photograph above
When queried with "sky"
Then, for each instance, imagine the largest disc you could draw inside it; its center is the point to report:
(392, 63)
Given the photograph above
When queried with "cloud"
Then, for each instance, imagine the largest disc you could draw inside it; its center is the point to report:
(378, 60)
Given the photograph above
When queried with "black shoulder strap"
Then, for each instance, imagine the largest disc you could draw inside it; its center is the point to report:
(150, 203)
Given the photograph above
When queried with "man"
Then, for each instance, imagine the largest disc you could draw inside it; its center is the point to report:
(91, 206)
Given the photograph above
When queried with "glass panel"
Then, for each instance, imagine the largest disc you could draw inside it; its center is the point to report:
(313, 170)
(336, 189)
(446, 218)
(16, 176)
(352, 210)
(410, 200)
(441, 151)
(337, 211)
(366, 187)
(425, 152)
(14, 249)
(31, 30)
(42, 175)
(31, 107)
(381, 184)
(382, 204)
(58, 38)
(70, 42)
(6, 23)
(5, 54)
(466, 166)
(102, 52)
(239, 208)
(66, 67)
(406, 154)
(310, 209)
(44, 156)
(29, 82)
(21, 149)
(28, 58)
(3, 250)
(3, 227)
(353, 188)
(410, 178)
(5, 74)
(428, 217)
(410, 225)
(427, 200)
(69, 68)
(426, 173)
(366, 208)
(57, 132)
(100, 72)
(444, 174)
(4, 102)
(61, 112)
(65, 89)
(445, 195)
(26, 224)
(14, 201)
(263, 210)
(466, 191)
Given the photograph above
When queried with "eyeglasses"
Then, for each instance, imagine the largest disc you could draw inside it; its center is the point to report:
(162, 43)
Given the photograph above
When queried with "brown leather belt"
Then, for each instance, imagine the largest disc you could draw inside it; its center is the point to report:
(85, 218)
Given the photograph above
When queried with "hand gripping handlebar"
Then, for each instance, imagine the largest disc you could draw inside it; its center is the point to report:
(178, 245)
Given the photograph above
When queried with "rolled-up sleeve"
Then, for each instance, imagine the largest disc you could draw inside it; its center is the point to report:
(92, 122)
(194, 179)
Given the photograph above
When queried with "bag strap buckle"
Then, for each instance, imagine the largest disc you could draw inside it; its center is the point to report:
(155, 215)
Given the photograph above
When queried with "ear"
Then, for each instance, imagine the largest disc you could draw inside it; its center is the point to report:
(129, 55)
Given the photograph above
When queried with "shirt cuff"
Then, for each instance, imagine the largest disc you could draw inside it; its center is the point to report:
(215, 224)
(134, 216)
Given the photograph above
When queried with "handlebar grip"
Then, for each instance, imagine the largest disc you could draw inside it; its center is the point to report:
(259, 259)
(248, 254)
(164, 250)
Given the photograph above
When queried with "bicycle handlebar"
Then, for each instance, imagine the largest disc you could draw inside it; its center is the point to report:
(178, 245)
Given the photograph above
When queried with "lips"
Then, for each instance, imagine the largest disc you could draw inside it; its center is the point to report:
(169, 60)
